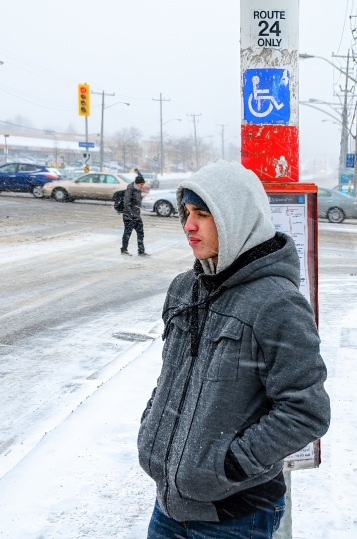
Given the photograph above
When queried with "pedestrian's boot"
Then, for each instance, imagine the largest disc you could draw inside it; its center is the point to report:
(125, 252)
(143, 254)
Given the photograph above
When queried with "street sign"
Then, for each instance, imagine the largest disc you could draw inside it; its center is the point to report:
(350, 160)
(266, 96)
(86, 144)
(269, 28)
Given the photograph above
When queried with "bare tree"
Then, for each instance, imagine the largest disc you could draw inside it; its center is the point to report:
(153, 157)
(180, 151)
(205, 152)
(71, 129)
(186, 148)
(127, 143)
(23, 120)
(16, 123)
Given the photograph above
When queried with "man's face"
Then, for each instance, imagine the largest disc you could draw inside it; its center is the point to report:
(202, 233)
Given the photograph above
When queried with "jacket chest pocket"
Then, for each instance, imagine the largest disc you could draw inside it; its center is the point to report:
(225, 350)
(177, 342)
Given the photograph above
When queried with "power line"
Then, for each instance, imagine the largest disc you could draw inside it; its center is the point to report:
(32, 103)
(27, 95)
(344, 24)
(26, 127)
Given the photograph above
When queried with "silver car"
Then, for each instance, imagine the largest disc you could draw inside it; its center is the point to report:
(335, 206)
(162, 201)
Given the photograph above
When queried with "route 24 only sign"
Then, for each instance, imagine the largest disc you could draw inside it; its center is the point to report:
(269, 28)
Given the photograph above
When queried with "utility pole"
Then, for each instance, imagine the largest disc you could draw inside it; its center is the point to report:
(222, 133)
(101, 158)
(161, 137)
(355, 115)
(344, 132)
(195, 132)
(6, 148)
(355, 171)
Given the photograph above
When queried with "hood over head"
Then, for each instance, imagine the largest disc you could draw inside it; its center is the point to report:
(239, 205)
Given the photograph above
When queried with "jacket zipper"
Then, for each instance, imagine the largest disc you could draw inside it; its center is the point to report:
(182, 402)
(199, 282)
(173, 432)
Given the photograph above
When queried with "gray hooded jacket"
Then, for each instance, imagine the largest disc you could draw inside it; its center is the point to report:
(254, 384)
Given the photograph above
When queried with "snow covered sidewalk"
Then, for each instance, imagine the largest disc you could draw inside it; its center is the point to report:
(83, 479)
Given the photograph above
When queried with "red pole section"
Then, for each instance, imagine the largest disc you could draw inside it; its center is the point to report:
(269, 87)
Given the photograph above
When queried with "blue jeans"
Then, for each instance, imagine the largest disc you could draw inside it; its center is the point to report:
(258, 525)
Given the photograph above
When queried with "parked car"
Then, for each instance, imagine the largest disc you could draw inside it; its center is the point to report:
(163, 202)
(345, 189)
(65, 174)
(89, 186)
(25, 178)
(335, 206)
(77, 173)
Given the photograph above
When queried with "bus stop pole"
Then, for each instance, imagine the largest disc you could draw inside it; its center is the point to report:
(286, 524)
(270, 111)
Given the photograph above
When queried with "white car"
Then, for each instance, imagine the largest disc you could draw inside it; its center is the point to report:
(162, 201)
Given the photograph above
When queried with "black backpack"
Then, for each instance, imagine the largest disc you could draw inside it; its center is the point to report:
(119, 202)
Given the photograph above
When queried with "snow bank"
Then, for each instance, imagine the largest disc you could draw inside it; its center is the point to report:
(83, 478)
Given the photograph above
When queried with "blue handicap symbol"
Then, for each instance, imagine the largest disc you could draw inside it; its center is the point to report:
(266, 96)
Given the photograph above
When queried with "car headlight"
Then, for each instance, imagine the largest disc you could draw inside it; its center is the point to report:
(149, 198)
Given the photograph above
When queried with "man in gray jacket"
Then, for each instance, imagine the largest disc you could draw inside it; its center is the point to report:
(241, 385)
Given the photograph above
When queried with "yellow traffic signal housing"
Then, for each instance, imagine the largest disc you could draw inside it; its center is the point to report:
(83, 99)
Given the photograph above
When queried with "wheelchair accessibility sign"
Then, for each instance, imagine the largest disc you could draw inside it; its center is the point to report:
(266, 96)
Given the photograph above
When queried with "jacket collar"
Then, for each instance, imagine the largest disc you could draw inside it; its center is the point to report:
(268, 247)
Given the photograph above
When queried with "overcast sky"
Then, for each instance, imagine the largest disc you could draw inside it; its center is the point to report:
(186, 49)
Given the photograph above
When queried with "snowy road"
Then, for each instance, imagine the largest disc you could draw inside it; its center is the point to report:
(76, 315)
(65, 291)
(63, 261)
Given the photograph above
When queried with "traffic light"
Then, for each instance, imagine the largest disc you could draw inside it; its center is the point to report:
(83, 100)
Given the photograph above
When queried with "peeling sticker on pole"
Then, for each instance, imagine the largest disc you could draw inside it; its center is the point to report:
(269, 88)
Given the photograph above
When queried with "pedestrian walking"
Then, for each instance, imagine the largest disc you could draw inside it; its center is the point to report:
(241, 385)
(131, 215)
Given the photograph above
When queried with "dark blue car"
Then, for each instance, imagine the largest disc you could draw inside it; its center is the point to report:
(25, 178)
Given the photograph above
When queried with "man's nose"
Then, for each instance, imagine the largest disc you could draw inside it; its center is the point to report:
(190, 225)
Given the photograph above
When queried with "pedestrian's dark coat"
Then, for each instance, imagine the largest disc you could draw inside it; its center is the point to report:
(242, 378)
(132, 201)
